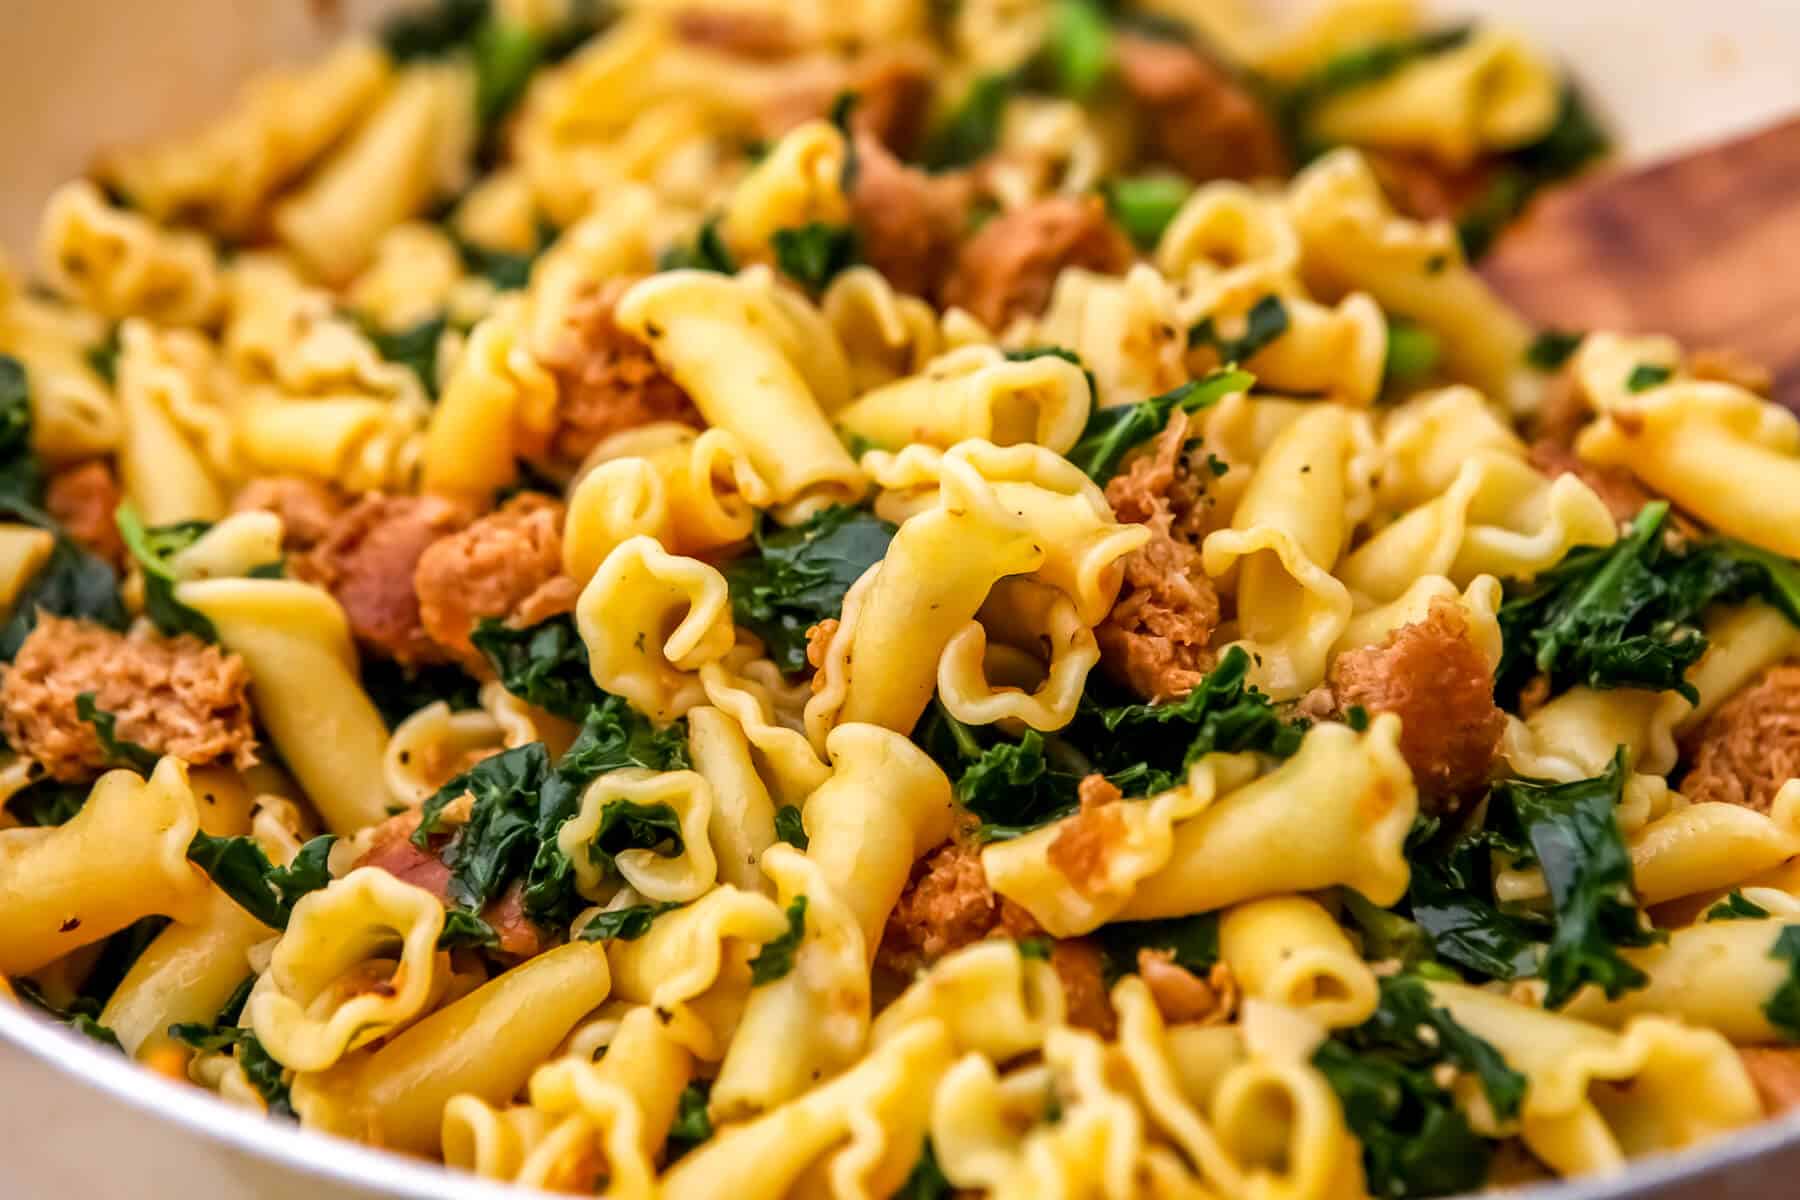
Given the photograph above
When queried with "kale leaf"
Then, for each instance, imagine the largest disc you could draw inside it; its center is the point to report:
(1449, 896)
(465, 930)
(1266, 321)
(1783, 1006)
(628, 825)
(926, 1179)
(625, 924)
(1416, 1142)
(152, 548)
(797, 577)
(1551, 348)
(1413, 352)
(1112, 433)
(265, 1074)
(415, 347)
(972, 130)
(776, 958)
(240, 869)
(1574, 140)
(120, 752)
(1144, 205)
(790, 827)
(1193, 943)
(1077, 53)
(813, 254)
(433, 30)
(498, 841)
(1222, 713)
(82, 1015)
(1736, 907)
(708, 253)
(544, 664)
(692, 1124)
(398, 691)
(1573, 831)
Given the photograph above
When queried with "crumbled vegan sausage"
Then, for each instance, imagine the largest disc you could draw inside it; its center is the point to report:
(367, 561)
(307, 507)
(1083, 845)
(1199, 119)
(84, 498)
(493, 567)
(1745, 751)
(606, 380)
(391, 849)
(1434, 678)
(1157, 640)
(907, 222)
(176, 696)
(1009, 267)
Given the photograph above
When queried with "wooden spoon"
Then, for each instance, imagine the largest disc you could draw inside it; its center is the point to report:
(1705, 247)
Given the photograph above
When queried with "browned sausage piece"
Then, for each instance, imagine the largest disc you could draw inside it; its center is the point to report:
(1200, 120)
(176, 696)
(1009, 267)
(492, 568)
(1434, 678)
(1745, 751)
(84, 499)
(606, 380)
(367, 561)
(908, 223)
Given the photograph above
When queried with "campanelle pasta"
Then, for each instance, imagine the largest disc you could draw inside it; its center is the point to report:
(739, 600)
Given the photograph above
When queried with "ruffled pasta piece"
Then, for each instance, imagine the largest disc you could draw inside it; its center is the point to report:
(783, 757)
(743, 814)
(175, 447)
(678, 878)
(1604, 363)
(982, 683)
(1597, 1098)
(395, 1094)
(1716, 975)
(306, 688)
(1492, 93)
(736, 347)
(1129, 331)
(121, 265)
(1720, 452)
(651, 620)
(1426, 441)
(799, 182)
(1352, 240)
(359, 961)
(412, 277)
(977, 392)
(1499, 517)
(692, 492)
(497, 1143)
(696, 959)
(497, 393)
(1230, 241)
(121, 858)
(886, 335)
(431, 746)
(1338, 352)
(610, 241)
(1287, 950)
(813, 1022)
(413, 148)
(221, 177)
(1335, 813)
(992, 999)
(74, 415)
(858, 1135)
(1286, 534)
(885, 804)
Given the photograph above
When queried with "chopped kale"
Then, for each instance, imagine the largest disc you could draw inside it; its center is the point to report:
(1369, 64)
(153, 548)
(415, 348)
(1413, 352)
(1222, 713)
(789, 827)
(926, 1179)
(1572, 142)
(1573, 831)
(1192, 942)
(1552, 348)
(1112, 433)
(1783, 1006)
(240, 869)
(498, 841)
(1266, 321)
(1037, 948)
(1736, 907)
(82, 1015)
(120, 752)
(625, 924)
(708, 253)
(797, 577)
(103, 356)
(434, 30)
(398, 692)
(1415, 1141)
(972, 131)
(1624, 615)
(813, 254)
(1450, 897)
(1077, 53)
(1645, 376)
(466, 931)
(1144, 205)
(265, 1074)
(776, 958)
(628, 825)
(692, 1124)
(544, 664)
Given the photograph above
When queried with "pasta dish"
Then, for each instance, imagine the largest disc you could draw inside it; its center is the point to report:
(736, 598)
